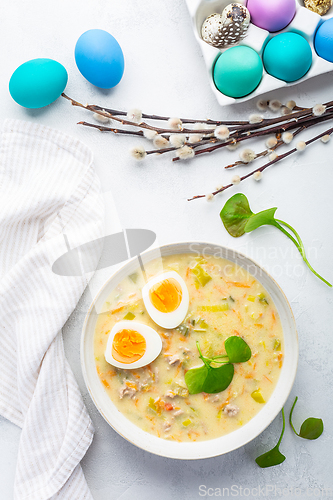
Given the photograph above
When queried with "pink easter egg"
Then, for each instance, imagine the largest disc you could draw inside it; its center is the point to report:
(271, 15)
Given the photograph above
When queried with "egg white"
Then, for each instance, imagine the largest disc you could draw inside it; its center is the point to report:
(171, 319)
(153, 344)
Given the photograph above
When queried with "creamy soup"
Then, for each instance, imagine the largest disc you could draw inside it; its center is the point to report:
(225, 300)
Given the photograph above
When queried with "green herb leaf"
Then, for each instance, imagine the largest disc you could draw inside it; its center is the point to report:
(271, 458)
(195, 379)
(213, 379)
(235, 214)
(266, 217)
(208, 379)
(218, 379)
(238, 219)
(237, 350)
(274, 456)
(311, 428)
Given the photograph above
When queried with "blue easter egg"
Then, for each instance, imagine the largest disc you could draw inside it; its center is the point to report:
(287, 56)
(324, 40)
(99, 58)
(37, 83)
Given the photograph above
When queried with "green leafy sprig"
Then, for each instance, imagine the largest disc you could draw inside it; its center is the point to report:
(274, 456)
(213, 379)
(238, 219)
(312, 428)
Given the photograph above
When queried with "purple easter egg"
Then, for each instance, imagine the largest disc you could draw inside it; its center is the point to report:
(271, 15)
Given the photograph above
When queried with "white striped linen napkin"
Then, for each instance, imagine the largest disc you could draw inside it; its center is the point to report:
(48, 187)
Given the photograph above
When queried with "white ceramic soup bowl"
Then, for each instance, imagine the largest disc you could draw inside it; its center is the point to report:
(200, 449)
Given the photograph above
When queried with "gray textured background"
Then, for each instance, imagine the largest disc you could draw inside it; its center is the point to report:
(165, 74)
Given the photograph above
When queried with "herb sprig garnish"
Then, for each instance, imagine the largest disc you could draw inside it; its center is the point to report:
(211, 378)
(274, 456)
(312, 428)
(238, 219)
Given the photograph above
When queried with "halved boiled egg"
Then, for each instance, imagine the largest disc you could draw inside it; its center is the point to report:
(132, 345)
(166, 299)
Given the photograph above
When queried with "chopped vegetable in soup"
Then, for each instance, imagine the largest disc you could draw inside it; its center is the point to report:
(224, 301)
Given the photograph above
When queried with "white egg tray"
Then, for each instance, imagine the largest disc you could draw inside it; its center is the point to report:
(305, 23)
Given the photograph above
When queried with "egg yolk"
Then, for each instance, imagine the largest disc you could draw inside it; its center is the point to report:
(166, 295)
(128, 346)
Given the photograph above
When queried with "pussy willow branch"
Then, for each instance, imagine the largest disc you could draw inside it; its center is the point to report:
(296, 120)
(287, 122)
(96, 109)
(236, 137)
(269, 164)
(208, 121)
(266, 151)
(115, 113)
(232, 140)
(203, 142)
(102, 128)
(307, 122)
(140, 133)
(234, 125)
(280, 119)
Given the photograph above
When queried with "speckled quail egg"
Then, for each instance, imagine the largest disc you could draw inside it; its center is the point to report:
(226, 29)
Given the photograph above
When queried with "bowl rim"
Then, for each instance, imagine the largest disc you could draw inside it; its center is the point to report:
(177, 454)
